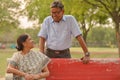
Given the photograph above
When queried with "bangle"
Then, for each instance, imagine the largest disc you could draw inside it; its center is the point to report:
(24, 74)
(87, 54)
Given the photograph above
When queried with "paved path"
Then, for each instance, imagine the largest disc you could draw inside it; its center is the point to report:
(2, 78)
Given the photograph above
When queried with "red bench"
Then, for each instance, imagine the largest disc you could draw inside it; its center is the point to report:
(74, 69)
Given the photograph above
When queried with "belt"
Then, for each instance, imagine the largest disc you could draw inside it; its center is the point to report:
(57, 51)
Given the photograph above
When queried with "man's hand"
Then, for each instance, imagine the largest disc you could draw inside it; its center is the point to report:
(85, 59)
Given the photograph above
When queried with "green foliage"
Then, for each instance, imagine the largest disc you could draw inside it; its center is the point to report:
(33, 33)
(87, 12)
(87, 15)
(6, 12)
(84, 13)
(38, 9)
(7, 22)
(102, 36)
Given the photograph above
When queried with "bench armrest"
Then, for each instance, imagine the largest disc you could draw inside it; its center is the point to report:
(9, 76)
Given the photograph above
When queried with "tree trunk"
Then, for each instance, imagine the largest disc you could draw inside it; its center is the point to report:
(116, 18)
(118, 38)
(85, 36)
(118, 41)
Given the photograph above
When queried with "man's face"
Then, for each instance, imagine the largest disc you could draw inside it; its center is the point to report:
(57, 14)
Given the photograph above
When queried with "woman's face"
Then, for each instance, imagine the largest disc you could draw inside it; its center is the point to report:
(29, 43)
(57, 14)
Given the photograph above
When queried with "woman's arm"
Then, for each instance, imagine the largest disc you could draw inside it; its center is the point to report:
(14, 70)
(45, 73)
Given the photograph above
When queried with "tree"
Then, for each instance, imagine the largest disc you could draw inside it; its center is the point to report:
(37, 9)
(6, 14)
(112, 9)
(86, 15)
(102, 36)
(7, 21)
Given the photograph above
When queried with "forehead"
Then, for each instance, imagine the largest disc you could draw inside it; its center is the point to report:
(55, 9)
(28, 38)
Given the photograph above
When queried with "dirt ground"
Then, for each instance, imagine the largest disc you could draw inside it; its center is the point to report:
(2, 78)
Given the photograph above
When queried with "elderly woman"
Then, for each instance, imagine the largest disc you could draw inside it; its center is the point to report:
(27, 64)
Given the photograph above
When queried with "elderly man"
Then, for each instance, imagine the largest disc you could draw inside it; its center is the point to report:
(57, 31)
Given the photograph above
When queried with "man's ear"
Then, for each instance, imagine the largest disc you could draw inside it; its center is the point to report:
(63, 11)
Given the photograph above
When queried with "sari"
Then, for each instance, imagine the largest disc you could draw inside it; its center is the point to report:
(31, 63)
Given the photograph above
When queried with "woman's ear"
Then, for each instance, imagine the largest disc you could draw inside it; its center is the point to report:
(24, 44)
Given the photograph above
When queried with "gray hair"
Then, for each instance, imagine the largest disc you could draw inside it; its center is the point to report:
(57, 4)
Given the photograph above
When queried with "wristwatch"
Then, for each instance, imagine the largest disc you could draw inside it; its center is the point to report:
(87, 54)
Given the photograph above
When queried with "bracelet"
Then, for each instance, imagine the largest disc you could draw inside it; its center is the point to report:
(87, 54)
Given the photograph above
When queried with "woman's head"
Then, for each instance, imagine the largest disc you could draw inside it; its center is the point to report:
(24, 41)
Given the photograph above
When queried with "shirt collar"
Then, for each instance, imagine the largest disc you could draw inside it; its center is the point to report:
(63, 19)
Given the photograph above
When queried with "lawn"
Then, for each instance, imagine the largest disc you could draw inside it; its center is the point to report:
(75, 52)
(4, 54)
(96, 52)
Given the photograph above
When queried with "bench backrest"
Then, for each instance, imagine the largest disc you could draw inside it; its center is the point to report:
(74, 69)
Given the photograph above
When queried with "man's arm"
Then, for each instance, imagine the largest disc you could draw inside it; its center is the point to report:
(84, 47)
(42, 44)
(82, 43)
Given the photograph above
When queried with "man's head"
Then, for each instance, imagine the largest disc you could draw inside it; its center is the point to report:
(57, 10)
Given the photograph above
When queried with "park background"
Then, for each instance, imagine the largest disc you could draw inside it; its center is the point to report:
(99, 21)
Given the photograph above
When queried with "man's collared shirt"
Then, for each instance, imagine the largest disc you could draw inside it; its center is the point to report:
(59, 34)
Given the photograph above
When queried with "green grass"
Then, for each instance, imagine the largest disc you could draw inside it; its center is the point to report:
(75, 52)
(96, 52)
(4, 54)
(96, 49)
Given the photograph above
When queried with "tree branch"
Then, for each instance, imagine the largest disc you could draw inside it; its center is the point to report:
(94, 5)
(105, 6)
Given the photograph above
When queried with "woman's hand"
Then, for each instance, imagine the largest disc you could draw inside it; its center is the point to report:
(36, 76)
(29, 77)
